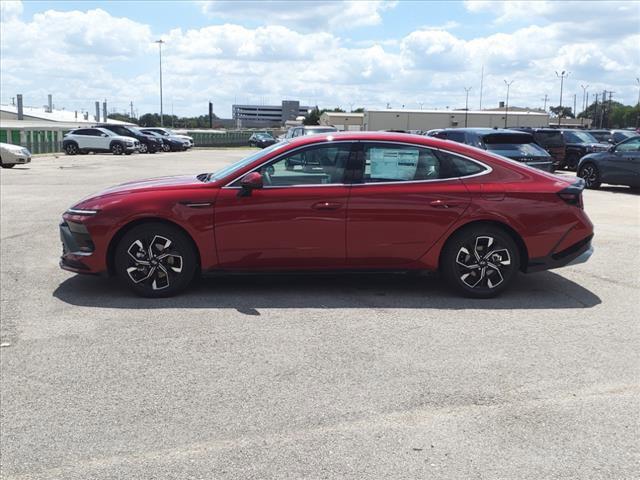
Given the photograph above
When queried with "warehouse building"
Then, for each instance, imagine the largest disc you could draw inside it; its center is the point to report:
(268, 115)
(430, 119)
(343, 120)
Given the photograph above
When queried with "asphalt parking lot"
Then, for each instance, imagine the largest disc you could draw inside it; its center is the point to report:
(310, 377)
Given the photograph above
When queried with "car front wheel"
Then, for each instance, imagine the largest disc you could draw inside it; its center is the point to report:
(71, 149)
(480, 261)
(143, 148)
(155, 260)
(117, 149)
(590, 174)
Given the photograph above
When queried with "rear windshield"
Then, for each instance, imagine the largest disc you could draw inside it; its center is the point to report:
(549, 139)
(579, 137)
(518, 149)
(508, 138)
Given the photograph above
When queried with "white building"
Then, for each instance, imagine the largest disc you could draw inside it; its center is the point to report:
(343, 120)
(429, 119)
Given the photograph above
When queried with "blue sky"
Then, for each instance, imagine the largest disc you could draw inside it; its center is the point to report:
(330, 53)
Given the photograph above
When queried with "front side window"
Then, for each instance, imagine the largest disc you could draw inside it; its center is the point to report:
(318, 165)
(579, 137)
(629, 146)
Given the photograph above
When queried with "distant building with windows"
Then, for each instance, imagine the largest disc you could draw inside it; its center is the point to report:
(268, 115)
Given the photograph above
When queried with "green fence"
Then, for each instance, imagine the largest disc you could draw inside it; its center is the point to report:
(225, 139)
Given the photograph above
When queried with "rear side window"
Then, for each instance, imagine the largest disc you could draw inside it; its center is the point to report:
(459, 166)
(456, 137)
(403, 163)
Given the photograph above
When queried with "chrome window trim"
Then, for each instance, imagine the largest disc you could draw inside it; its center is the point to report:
(487, 168)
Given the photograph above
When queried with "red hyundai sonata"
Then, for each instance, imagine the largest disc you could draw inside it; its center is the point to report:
(342, 202)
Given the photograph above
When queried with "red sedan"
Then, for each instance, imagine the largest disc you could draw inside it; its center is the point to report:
(343, 202)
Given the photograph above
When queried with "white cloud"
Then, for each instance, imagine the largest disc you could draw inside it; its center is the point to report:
(81, 57)
(304, 15)
(10, 9)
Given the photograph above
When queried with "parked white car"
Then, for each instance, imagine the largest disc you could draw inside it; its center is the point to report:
(12, 155)
(166, 132)
(97, 139)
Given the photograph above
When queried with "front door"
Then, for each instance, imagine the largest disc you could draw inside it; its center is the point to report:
(297, 220)
(623, 165)
(407, 198)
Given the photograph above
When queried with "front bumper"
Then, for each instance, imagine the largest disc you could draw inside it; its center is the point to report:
(575, 254)
(77, 248)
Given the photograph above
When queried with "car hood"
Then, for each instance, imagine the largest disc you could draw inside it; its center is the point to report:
(138, 186)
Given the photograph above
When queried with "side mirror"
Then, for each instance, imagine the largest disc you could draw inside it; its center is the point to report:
(612, 148)
(250, 182)
(104, 135)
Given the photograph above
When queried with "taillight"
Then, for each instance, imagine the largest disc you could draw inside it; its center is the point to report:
(573, 193)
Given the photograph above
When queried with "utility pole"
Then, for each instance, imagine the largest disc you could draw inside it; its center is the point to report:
(160, 42)
(131, 106)
(481, 84)
(561, 77)
(603, 109)
(574, 105)
(595, 112)
(584, 102)
(546, 98)
(610, 110)
(466, 106)
(506, 105)
(638, 104)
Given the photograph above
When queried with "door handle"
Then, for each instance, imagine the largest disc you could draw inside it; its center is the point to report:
(444, 204)
(326, 206)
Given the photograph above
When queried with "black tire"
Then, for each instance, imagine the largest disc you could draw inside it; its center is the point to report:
(497, 258)
(590, 174)
(71, 148)
(155, 276)
(7, 165)
(117, 149)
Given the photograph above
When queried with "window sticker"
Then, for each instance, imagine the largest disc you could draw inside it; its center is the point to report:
(394, 164)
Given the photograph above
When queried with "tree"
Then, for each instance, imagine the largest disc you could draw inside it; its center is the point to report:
(313, 117)
(123, 117)
(614, 115)
(564, 112)
(358, 110)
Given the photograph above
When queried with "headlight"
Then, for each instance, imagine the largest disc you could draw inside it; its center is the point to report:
(26, 152)
(81, 211)
(130, 143)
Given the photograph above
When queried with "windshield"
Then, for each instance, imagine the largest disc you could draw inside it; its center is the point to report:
(244, 162)
(518, 149)
(623, 135)
(313, 131)
(579, 137)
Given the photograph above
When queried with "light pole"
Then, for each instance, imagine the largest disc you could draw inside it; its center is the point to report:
(638, 104)
(160, 42)
(506, 105)
(561, 77)
(466, 105)
(584, 101)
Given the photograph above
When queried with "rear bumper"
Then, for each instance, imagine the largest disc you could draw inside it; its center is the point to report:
(575, 254)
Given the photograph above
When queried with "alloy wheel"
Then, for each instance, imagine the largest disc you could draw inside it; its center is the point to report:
(143, 148)
(166, 147)
(590, 175)
(483, 263)
(72, 149)
(154, 263)
(116, 149)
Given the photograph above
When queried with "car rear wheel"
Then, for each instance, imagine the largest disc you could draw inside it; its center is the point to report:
(590, 174)
(166, 147)
(155, 260)
(71, 149)
(480, 261)
(143, 148)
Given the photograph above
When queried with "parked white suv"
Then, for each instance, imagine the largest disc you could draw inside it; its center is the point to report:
(96, 139)
(11, 155)
(165, 132)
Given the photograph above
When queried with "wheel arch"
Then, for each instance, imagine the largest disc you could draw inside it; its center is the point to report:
(114, 142)
(522, 247)
(113, 243)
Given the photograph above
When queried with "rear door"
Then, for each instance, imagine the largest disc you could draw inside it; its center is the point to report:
(404, 199)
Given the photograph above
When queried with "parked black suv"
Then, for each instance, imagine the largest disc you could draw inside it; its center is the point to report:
(612, 136)
(148, 143)
(551, 140)
(579, 143)
(519, 146)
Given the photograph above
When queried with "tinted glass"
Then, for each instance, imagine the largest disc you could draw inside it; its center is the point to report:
(246, 161)
(549, 139)
(621, 136)
(318, 165)
(398, 163)
(83, 131)
(519, 149)
(629, 146)
(459, 166)
(456, 136)
(578, 137)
